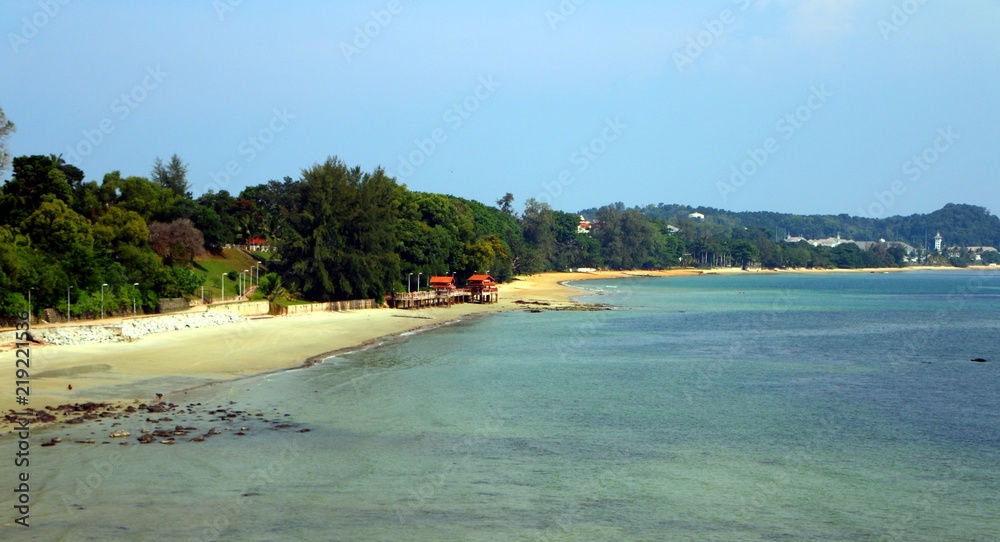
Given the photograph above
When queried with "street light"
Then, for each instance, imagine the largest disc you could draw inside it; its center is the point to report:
(257, 267)
(245, 283)
(29, 305)
(102, 300)
(408, 283)
(223, 286)
(136, 284)
(418, 281)
(69, 315)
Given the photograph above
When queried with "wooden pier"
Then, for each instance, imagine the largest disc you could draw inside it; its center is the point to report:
(482, 289)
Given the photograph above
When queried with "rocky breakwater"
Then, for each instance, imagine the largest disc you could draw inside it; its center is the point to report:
(130, 330)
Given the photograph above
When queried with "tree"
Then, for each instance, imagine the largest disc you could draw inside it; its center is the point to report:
(342, 226)
(506, 203)
(538, 225)
(481, 255)
(176, 241)
(271, 287)
(269, 200)
(35, 177)
(175, 281)
(124, 236)
(173, 175)
(744, 253)
(6, 129)
(138, 194)
(55, 228)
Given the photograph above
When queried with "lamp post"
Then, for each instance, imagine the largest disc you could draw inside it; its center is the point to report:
(69, 315)
(418, 281)
(257, 267)
(223, 286)
(102, 300)
(245, 284)
(136, 284)
(29, 305)
(408, 277)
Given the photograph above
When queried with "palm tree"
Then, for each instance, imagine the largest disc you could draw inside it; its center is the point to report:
(270, 285)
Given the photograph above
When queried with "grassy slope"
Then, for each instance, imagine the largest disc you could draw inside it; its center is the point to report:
(211, 267)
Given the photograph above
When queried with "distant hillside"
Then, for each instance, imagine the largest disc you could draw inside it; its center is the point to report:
(959, 224)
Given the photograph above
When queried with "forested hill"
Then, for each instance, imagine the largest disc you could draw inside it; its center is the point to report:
(960, 224)
(339, 232)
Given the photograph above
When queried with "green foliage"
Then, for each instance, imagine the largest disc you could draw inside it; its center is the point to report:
(343, 233)
(171, 176)
(177, 281)
(12, 303)
(138, 194)
(272, 288)
(36, 179)
(212, 216)
(342, 240)
(991, 257)
(963, 225)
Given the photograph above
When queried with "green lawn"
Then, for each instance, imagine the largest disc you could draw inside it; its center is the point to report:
(211, 267)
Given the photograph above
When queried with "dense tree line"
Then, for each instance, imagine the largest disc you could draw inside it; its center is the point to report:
(341, 232)
(962, 225)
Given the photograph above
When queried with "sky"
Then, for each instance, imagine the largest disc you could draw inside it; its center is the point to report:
(870, 108)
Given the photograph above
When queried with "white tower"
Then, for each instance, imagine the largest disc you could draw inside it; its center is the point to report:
(937, 241)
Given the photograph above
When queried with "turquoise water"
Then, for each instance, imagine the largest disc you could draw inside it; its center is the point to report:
(788, 407)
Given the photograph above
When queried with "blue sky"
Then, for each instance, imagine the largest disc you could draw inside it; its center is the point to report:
(870, 108)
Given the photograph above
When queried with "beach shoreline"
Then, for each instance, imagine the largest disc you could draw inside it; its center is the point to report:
(173, 362)
(177, 361)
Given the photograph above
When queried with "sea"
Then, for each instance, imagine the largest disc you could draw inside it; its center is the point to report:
(824, 407)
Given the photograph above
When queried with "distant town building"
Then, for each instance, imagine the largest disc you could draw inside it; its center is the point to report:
(976, 253)
(696, 216)
(585, 225)
(938, 240)
(829, 242)
(837, 241)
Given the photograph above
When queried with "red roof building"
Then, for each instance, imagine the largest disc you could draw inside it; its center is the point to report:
(444, 283)
(483, 289)
(482, 280)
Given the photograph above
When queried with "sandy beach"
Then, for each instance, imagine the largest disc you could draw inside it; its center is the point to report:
(176, 360)
(172, 361)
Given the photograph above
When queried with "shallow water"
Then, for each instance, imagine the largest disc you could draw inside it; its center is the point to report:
(835, 407)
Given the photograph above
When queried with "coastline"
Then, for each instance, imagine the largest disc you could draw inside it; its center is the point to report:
(173, 362)
(176, 361)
